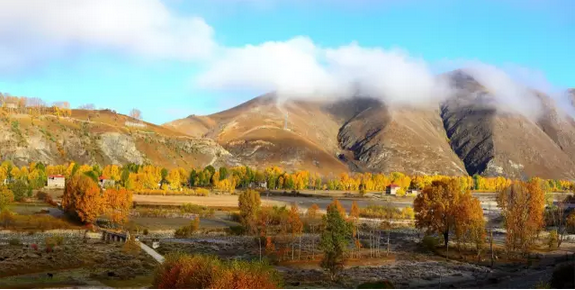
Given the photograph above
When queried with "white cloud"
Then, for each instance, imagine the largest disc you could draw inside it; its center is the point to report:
(33, 31)
(298, 68)
(511, 95)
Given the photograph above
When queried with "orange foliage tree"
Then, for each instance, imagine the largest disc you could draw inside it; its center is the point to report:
(83, 197)
(296, 227)
(118, 204)
(522, 205)
(438, 209)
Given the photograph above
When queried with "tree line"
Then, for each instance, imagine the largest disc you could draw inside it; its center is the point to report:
(149, 177)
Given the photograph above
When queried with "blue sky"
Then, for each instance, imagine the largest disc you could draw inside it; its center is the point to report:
(83, 61)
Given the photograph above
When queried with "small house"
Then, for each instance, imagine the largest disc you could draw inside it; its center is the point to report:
(56, 181)
(106, 182)
(392, 189)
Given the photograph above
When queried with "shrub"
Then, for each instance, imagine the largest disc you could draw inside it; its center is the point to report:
(202, 211)
(146, 232)
(188, 231)
(430, 242)
(131, 247)
(202, 192)
(34, 246)
(380, 212)
(236, 230)
(208, 272)
(59, 240)
(408, 213)
(7, 218)
(553, 239)
(14, 242)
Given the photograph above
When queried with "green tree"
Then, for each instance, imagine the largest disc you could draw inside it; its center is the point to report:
(249, 203)
(20, 189)
(223, 173)
(193, 176)
(334, 240)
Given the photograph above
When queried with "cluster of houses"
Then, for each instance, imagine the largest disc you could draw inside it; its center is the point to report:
(59, 181)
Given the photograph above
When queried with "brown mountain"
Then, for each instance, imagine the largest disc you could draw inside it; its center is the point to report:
(466, 134)
(497, 143)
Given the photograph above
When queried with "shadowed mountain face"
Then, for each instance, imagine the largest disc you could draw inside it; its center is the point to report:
(496, 143)
(466, 134)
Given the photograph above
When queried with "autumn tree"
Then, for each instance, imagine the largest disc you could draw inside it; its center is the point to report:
(136, 114)
(312, 216)
(334, 239)
(118, 204)
(296, 227)
(6, 197)
(470, 224)
(354, 218)
(249, 203)
(82, 197)
(522, 205)
(436, 208)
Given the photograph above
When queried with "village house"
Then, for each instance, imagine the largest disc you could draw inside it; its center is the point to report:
(106, 182)
(56, 181)
(392, 189)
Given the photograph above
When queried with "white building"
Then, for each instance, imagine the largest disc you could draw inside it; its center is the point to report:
(392, 189)
(56, 181)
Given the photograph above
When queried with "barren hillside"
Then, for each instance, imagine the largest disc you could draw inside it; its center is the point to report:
(102, 137)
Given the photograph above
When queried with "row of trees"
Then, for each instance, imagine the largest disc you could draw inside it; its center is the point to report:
(444, 208)
(149, 177)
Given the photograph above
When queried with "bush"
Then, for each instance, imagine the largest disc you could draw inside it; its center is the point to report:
(146, 232)
(553, 239)
(202, 192)
(236, 230)
(430, 242)
(202, 211)
(408, 213)
(188, 231)
(14, 242)
(208, 272)
(59, 240)
(34, 246)
(131, 247)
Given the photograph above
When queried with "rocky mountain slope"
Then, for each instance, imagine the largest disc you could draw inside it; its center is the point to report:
(465, 134)
(102, 137)
(497, 143)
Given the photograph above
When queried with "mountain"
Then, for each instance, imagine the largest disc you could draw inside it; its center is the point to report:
(102, 137)
(498, 143)
(465, 134)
